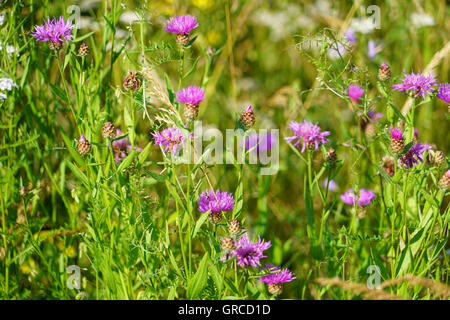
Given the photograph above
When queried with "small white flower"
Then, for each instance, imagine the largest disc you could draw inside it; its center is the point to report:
(7, 84)
(2, 19)
(3, 96)
(10, 49)
(363, 25)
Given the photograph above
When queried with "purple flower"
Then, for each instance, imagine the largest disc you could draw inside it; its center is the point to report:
(191, 95)
(350, 35)
(396, 133)
(248, 253)
(371, 49)
(413, 156)
(417, 84)
(362, 199)
(263, 142)
(55, 31)
(332, 185)
(277, 275)
(355, 92)
(215, 202)
(171, 139)
(122, 147)
(181, 24)
(308, 133)
(444, 92)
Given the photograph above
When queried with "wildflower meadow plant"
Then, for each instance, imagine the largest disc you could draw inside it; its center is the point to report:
(133, 147)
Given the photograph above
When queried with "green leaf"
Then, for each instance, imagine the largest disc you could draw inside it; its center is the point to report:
(194, 67)
(198, 282)
(199, 224)
(80, 175)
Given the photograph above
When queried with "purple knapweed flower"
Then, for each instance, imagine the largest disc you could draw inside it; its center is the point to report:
(396, 133)
(263, 142)
(362, 199)
(277, 275)
(444, 92)
(248, 253)
(413, 156)
(170, 139)
(416, 84)
(54, 31)
(191, 95)
(122, 147)
(181, 24)
(308, 133)
(220, 201)
(355, 92)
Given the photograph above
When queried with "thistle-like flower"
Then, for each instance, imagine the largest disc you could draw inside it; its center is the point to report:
(444, 182)
(388, 163)
(360, 199)
(248, 253)
(132, 81)
(416, 84)
(191, 97)
(234, 227)
(215, 202)
(307, 133)
(181, 26)
(355, 92)
(276, 279)
(444, 92)
(331, 157)
(108, 131)
(248, 118)
(413, 156)
(55, 32)
(83, 50)
(171, 139)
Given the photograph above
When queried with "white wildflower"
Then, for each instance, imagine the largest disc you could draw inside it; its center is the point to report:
(7, 84)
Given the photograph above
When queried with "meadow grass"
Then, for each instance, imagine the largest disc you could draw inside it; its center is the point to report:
(115, 216)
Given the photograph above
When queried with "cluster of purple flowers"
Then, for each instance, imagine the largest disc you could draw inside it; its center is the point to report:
(361, 199)
(55, 31)
(170, 139)
(307, 133)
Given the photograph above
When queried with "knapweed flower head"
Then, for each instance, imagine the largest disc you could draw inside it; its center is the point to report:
(444, 92)
(307, 133)
(248, 118)
(413, 156)
(248, 253)
(277, 275)
(55, 31)
(170, 139)
(396, 133)
(361, 199)
(355, 92)
(260, 142)
(122, 147)
(416, 84)
(191, 95)
(214, 202)
(181, 24)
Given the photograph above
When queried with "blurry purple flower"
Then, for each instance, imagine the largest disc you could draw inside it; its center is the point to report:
(355, 92)
(55, 31)
(248, 253)
(278, 275)
(332, 185)
(416, 84)
(181, 24)
(413, 156)
(444, 92)
(350, 35)
(171, 139)
(122, 147)
(215, 202)
(191, 95)
(362, 199)
(308, 133)
(263, 142)
(371, 49)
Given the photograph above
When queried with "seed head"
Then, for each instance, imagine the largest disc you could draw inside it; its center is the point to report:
(444, 182)
(331, 156)
(234, 227)
(275, 288)
(388, 165)
(438, 158)
(384, 73)
(83, 50)
(108, 131)
(227, 244)
(248, 118)
(84, 147)
(215, 217)
(132, 81)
